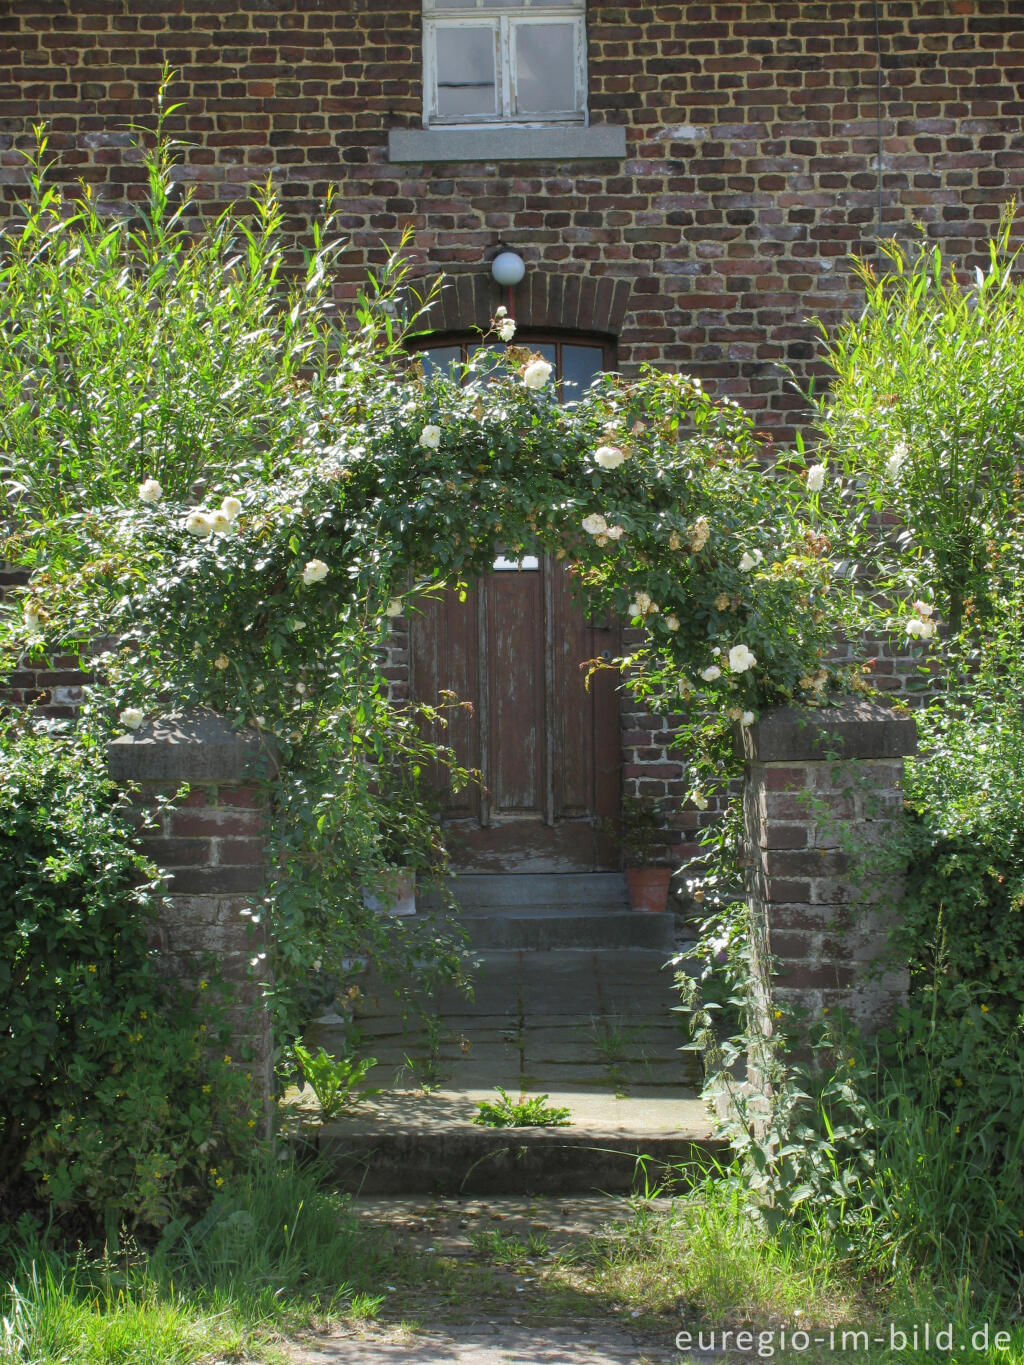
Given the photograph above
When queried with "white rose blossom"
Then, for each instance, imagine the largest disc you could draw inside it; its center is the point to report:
(750, 561)
(609, 457)
(816, 478)
(314, 572)
(199, 524)
(895, 462)
(536, 374)
(506, 329)
(595, 525)
(131, 717)
(231, 507)
(710, 673)
(221, 523)
(740, 659)
(671, 622)
(921, 630)
(699, 800)
(150, 491)
(615, 532)
(747, 718)
(924, 608)
(430, 437)
(394, 608)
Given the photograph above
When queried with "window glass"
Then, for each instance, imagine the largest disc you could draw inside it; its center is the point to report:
(580, 366)
(438, 359)
(465, 71)
(545, 67)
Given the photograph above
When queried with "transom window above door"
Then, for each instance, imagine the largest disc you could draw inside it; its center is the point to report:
(504, 61)
(576, 363)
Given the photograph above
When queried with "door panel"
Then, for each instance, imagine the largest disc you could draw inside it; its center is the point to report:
(546, 744)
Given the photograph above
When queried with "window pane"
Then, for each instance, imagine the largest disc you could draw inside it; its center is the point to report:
(465, 71)
(545, 68)
(580, 365)
(438, 359)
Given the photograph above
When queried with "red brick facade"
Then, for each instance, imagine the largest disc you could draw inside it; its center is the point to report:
(765, 143)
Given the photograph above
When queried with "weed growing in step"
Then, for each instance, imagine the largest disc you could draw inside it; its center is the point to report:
(337, 1082)
(526, 1112)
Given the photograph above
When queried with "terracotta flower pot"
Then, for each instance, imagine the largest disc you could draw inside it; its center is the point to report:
(393, 893)
(648, 888)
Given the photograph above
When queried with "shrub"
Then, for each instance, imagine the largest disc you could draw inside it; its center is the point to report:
(117, 1105)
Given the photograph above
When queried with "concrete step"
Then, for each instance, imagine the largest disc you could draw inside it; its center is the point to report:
(409, 1143)
(539, 891)
(550, 930)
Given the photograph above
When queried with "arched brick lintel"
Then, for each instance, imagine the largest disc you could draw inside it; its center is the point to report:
(544, 301)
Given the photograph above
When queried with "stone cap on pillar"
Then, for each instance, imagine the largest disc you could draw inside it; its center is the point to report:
(194, 745)
(850, 728)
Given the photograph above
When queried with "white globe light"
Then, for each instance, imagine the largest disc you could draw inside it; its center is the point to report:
(508, 268)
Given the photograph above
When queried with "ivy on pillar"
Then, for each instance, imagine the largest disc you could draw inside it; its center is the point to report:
(823, 807)
(196, 785)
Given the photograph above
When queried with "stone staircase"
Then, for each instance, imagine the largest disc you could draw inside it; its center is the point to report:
(573, 997)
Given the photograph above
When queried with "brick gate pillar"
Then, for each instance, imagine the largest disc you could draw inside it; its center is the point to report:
(822, 810)
(209, 842)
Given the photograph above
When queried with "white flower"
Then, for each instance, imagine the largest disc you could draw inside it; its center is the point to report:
(700, 533)
(535, 376)
(671, 623)
(643, 605)
(231, 507)
(896, 460)
(506, 329)
(816, 478)
(699, 800)
(221, 662)
(740, 659)
(595, 525)
(608, 457)
(221, 522)
(710, 673)
(30, 615)
(394, 608)
(430, 437)
(615, 532)
(750, 561)
(924, 608)
(198, 524)
(132, 717)
(501, 312)
(150, 491)
(747, 718)
(922, 630)
(315, 571)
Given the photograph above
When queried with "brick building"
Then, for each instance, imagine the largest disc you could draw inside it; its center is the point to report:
(684, 182)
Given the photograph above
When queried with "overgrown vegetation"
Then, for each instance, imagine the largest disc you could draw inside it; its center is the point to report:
(528, 1111)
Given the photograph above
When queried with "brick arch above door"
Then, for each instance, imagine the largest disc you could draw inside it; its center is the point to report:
(545, 301)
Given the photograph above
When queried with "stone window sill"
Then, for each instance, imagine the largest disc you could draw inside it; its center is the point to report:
(602, 141)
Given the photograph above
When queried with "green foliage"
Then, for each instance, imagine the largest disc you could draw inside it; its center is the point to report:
(117, 1105)
(923, 419)
(337, 1082)
(526, 1112)
(275, 1252)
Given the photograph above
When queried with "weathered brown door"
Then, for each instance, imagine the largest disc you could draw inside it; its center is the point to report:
(546, 744)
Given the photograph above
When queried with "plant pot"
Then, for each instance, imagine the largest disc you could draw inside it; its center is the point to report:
(393, 893)
(648, 888)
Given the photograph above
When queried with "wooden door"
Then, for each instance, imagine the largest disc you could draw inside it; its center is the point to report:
(547, 746)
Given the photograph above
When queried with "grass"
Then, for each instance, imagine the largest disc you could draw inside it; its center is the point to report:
(277, 1254)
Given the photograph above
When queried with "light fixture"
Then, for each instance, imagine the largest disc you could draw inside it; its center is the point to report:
(508, 268)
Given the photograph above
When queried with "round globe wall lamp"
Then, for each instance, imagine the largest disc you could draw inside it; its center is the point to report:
(507, 269)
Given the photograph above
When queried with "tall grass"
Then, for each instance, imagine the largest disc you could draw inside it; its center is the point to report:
(277, 1251)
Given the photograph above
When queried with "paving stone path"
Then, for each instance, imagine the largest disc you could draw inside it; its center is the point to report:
(498, 1316)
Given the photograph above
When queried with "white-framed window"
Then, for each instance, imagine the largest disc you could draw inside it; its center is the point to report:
(504, 61)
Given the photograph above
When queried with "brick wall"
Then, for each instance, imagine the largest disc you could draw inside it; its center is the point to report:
(752, 147)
